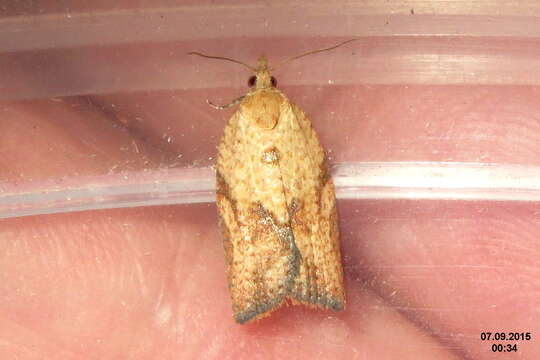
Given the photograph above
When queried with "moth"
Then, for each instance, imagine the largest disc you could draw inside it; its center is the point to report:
(276, 204)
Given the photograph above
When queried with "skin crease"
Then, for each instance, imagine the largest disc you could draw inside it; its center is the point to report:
(423, 278)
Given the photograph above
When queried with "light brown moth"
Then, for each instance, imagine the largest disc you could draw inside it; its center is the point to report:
(276, 205)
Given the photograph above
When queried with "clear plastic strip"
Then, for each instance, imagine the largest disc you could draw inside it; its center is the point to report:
(111, 49)
(160, 22)
(373, 180)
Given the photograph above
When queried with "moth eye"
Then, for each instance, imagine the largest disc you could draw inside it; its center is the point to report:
(273, 81)
(252, 80)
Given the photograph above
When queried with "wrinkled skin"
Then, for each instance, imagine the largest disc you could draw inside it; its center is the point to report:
(423, 278)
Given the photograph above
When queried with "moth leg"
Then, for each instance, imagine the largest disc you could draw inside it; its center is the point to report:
(226, 106)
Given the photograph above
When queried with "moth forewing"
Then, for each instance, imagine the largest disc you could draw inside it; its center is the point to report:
(276, 205)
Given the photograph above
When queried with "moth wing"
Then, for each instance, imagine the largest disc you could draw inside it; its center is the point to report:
(262, 258)
(312, 207)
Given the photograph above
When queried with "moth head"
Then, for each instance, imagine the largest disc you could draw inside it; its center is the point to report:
(262, 78)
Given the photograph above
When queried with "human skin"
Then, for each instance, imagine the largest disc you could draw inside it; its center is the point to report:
(423, 278)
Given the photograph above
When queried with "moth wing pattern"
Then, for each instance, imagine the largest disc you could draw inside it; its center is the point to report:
(261, 255)
(312, 205)
(261, 265)
(277, 210)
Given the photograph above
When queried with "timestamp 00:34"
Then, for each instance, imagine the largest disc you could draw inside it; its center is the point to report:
(505, 336)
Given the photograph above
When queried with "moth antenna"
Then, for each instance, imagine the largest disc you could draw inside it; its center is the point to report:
(221, 58)
(314, 52)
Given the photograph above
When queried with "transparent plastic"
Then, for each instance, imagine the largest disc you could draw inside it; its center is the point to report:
(433, 109)
(142, 90)
(383, 180)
